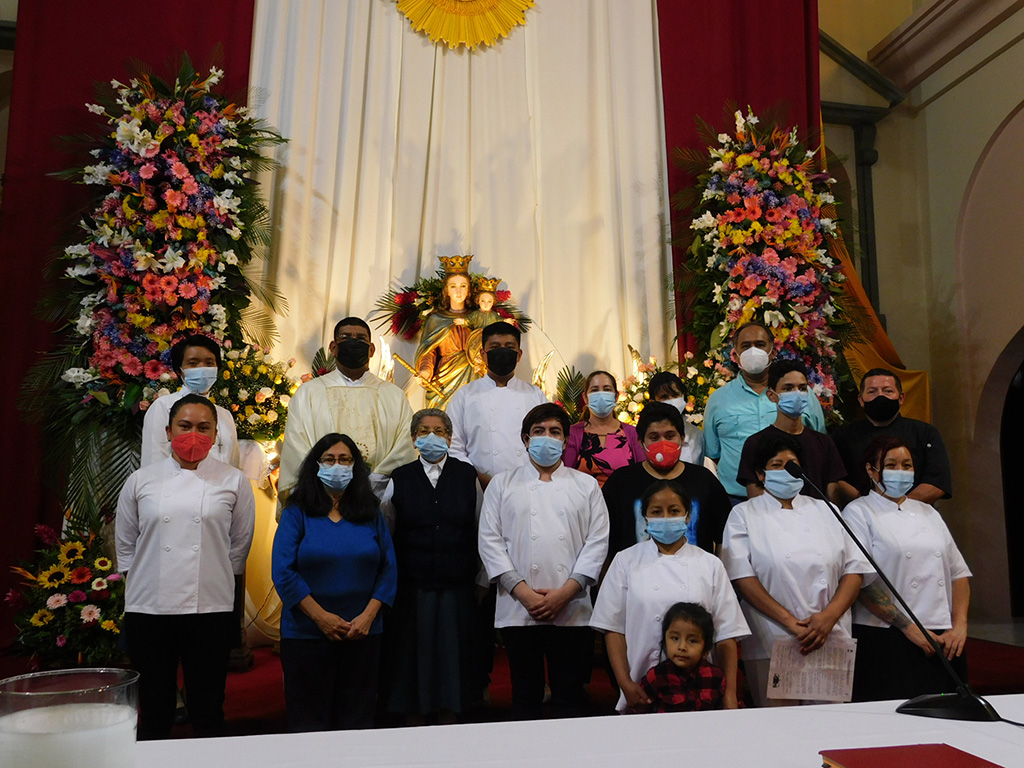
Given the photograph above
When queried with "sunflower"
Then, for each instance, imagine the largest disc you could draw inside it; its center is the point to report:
(41, 618)
(53, 576)
(103, 564)
(71, 551)
(111, 626)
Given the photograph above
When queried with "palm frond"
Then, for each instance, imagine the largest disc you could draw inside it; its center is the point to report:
(569, 391)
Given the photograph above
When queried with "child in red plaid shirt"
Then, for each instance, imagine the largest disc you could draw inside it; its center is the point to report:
(685, 681)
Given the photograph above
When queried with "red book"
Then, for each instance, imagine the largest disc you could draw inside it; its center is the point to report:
(906, 756)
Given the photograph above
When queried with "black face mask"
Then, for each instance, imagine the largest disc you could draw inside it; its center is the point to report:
(882, 408)
(502, 361)
(352, 353)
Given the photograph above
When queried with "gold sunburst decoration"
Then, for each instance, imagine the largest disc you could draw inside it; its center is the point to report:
(465, 22)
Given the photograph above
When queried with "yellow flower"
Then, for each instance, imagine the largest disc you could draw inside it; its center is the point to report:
(54, 576)
(247, 370)
(41, 618)
(261, 369)
(71, 551)
(225, 374)
(231, 364)
(111, 626)
(102, 564)
(700, 380)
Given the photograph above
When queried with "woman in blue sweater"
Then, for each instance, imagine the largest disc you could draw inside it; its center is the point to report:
(334, 569)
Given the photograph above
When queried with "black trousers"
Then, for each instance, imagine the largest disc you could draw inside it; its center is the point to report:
(568, 652)
(889, 666)
(201, 643)
(330, 685)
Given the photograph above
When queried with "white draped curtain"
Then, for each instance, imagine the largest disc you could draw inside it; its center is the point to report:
(543, 155)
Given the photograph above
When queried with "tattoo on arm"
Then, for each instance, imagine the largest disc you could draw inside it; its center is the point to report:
(879, 604)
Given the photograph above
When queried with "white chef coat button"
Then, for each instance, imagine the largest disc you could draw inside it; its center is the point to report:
(493, 429)
(536, 567)
(560, 568)
(198, 519)
(495, 453)
(909, 554)
(518, 453)
(941, 583)
(167, 549)
(823, 581)
(533, 511)
(561, 537)
(938, 554)
(789, 556)
(494, 408)
(657, 618)
(195, 547)
(818, 551)
(167, 495)
(655, 587)
(561, 512)
(534, 536)
(913, 584)
(167, 518)
(533, 487)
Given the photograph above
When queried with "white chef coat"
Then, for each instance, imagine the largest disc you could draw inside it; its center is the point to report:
(799, 555)
(693, 444)
(487, 422)
(641, 584)
(182, 535)
(546, 531)
(914, 548)
(156, 446)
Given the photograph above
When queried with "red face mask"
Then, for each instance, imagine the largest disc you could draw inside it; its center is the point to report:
(192, 446)
(663, 454)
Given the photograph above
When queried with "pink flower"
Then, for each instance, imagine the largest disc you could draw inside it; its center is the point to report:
(90, 613)
(131, 365)
(78, 596)
(190, 187)
(187, 290)
(46, 535)
(179, 169)
(61, 641)
(114, 577)
(56, 601)
(147, 171)
(153, 371)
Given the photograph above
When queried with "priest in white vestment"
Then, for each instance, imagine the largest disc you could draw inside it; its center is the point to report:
(354, 402)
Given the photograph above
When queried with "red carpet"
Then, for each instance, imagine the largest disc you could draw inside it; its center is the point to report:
(255, 699)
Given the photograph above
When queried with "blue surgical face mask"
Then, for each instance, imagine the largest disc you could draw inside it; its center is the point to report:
(336, 477)
(793, 403)
(432, 447)
(896, 482)
(667, 530)
(199, 380)
(782, 485)
(601, 403)
(545, 451)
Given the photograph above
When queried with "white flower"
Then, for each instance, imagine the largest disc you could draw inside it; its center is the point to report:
(774, 318)
(217, 282)
(103, 235)
(717, 166)
(165, 377)
(232, 178)
(235, 233)
(143, 259)
(266, 391)
(80, 270)
(79, 376)
(706, 221)
(229, 257)
(229, 143)
(284, 400)
(243, 395)
(723, 138)
(215, 76)
(716, 293)
(77, 250)
(226, 202)
(96, 109)
(234, 161)
(234, 354)
(691, 372)
(93, 299)
(220, 266)
(85, 323)
(131, 134)
(751, 118)
(97, 174)
(254, 418)
(825, 198)
(739, 121)
(95, 152)
(172, 260)
(271, 416)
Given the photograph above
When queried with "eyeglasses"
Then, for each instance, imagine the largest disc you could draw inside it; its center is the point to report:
(424, 431)
(330, 461)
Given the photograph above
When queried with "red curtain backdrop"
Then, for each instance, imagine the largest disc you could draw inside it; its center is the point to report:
(715, 51)
(61, 49)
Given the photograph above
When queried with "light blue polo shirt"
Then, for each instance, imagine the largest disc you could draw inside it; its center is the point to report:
(734, 412)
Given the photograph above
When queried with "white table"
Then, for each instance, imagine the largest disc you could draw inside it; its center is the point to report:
(762, 737)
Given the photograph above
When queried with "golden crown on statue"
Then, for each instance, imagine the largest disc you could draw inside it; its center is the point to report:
(456, 265)
(489, 284)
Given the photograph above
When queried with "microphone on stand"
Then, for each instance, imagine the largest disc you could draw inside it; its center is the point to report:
(965, 704)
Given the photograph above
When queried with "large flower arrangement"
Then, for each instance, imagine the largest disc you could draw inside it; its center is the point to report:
(404, 309)
(257, 392)
(161, 255)
(759, 250)
(70, 608)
